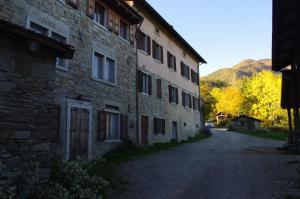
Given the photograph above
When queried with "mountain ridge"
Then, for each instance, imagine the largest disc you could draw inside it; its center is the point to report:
(245, 68)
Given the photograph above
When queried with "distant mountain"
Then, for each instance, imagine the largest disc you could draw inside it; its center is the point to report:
(245, 68)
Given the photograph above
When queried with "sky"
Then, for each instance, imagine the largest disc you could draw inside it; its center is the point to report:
(223, 32)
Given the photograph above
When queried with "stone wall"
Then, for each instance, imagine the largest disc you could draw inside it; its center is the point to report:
(76, 81)
(154, 107)
(27, 109)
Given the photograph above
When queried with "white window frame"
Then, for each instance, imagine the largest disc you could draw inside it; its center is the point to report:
(144, 43)
(105, 17)
(105, 62)
(146, 86)
(174, 96)
(158, 133)
(108, 111)
(187, 100)
(127, 26)
(71, 103)
(173, 61)
(157, 49)
(49, 34)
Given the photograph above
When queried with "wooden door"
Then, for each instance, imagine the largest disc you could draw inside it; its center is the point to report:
(79, 133)
(144, 130)
(174, 131)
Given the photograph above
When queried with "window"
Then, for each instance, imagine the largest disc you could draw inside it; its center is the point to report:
(104, 68)
(99, 14)
(113, 126)
(159, 88)
(144, 42)
(159, 126)
(157, 52)
(38, 28)
(186, 100)
(173, 94)
(171, 61)
(196, 104)
(185, 71)
(195, 77)
(60, 61)
(124, 30)
(144, 83)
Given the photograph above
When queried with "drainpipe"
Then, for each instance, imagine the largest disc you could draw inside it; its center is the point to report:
(136, 85)
(201, 112)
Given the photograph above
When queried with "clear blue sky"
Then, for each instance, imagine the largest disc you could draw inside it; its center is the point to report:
(224, 32)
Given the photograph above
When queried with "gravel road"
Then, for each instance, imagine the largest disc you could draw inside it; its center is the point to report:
(225, 166)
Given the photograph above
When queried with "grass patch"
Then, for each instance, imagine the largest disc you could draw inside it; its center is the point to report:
(269, 133)
(107, 168)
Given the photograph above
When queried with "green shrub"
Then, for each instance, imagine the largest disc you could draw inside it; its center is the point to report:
(71, 180)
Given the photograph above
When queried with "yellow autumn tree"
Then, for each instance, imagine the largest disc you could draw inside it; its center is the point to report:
(262, 94)
(230, 101)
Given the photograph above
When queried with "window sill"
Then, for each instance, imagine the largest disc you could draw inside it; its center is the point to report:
(187, 108)
(158, 61)
(143, 52)
(185, 78)
(63, 68)
(113, 141)
(173, 103)
(172, 69)
(104, 82)
(125, 40)
(99, 25)
(146, 94)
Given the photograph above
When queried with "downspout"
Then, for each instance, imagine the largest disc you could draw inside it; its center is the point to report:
(136, 85)
(201, 112)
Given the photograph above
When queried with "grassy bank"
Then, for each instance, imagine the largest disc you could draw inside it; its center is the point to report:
(128, 151)
(268, 133)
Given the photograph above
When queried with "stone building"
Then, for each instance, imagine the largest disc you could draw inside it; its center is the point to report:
(95, 91)
(132, 75)
(246, 123)
(168, 80)
(28, 113)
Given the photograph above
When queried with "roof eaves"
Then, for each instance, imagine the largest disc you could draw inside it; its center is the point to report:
(153, 12)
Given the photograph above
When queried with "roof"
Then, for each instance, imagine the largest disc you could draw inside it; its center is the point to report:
(61, 49)
(286, 28)
(151, 11)
(132, 16)
(247, 117)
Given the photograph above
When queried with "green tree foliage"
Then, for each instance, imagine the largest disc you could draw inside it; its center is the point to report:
(207, 99)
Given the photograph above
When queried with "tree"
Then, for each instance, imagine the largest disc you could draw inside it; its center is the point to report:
(207, 99)
(262, 93)
(230, 100)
